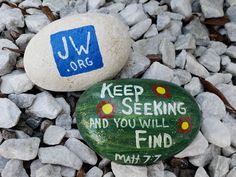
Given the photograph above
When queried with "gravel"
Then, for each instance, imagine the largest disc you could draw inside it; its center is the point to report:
(38, 135)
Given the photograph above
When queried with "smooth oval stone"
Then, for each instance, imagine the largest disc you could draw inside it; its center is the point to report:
(76, 52)
(137, 121)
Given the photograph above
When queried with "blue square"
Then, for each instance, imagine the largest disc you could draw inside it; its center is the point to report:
(76, 51)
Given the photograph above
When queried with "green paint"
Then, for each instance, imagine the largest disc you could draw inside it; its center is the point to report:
(137, 121)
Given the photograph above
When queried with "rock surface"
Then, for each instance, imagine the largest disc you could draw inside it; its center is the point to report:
(53, 135)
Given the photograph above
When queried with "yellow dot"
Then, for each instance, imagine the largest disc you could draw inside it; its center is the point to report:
(107, 108)
(185, 125)
(161, 90)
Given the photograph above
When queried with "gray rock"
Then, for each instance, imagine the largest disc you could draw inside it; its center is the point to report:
(16, 82)
(182, 7)
(194, 87)
(197, 147)
(229, 92)
(232, 172)
(94, 172)
(219, 47)
(181, 59)
(201, 172)
(10, 113)
(169, 174)
(211, 60)
(55, 5)
(231, 12)
(27, 149)
(136, 65)
(23, 40)
(231, 51)
(200, 50)
(225, 60)
(59, 155)
(23, 100)
(45, 105)
(34, 166)
(228, 151)
(212, 106)
(33, 122)
(167, 49)
(36, 22)
(95, 4)
(199, 32)
(64, 121)
(14, 168)
(185, 42)
(73, 133)
(231, 2)
(30, 3)
(133, 13)
(3, 162)
(49, 171)
(233, 161)
(159, 71)
(231, 68)
(68, 172)
(53, 135)
(152, 31)
(115, 8)
(128, 170)
(219, 78)
(163, 21)
(219, 166)
(231, 31)
(232, 130)
(7, 63)
(64, 104)
(194, 67)
(156, 170)
(216, 132)
(174, 16)
(183, 76)
(124, 1)
(147, 46)
(172, 32)
(205, 158)
(103, 163)
(12, 18)
(109, 174)
(211, 8)
(82, 151)
(153, 8)
(140, 28)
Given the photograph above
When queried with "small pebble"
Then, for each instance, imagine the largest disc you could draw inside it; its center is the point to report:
(153, 8)
(211, 8)
(23, 100)
(45, 106)
(194, 87)
(82, 151)
(185, 42)
(152, 31)
(94, 172)
(159, 71)
(128, 170)
(59, 155)
(27, 149)
(139, 29)
(133, 13)
(231, 31)
(182, 7)
(219, 166)
(219, 47)
(163, 21)
(55, 5)
(48, 171)
(36, 22)
(53, 135)
(156, 170)
(167, 49)
(10, 113)
(181, 59)
(14, 168)
(135, 66)
(231, 51)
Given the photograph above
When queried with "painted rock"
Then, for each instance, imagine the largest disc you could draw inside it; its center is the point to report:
(76, 52)
(137, 121)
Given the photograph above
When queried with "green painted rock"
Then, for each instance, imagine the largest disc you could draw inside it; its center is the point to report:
(137, 121)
